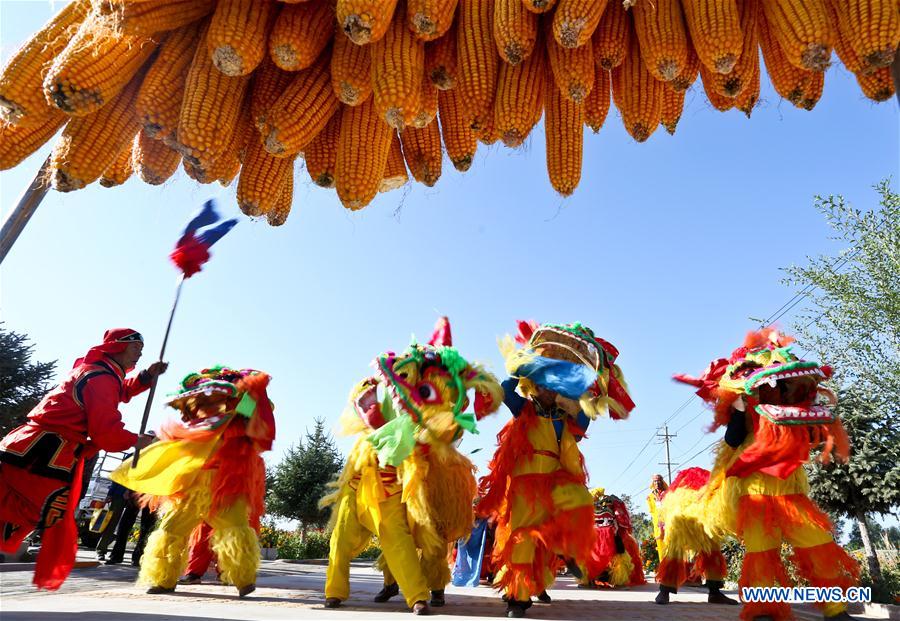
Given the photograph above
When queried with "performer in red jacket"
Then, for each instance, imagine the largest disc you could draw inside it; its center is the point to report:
(41, 462)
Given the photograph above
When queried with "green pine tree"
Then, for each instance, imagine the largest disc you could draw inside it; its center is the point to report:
(22, 382)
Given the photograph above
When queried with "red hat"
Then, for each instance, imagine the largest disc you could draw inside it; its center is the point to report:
(114, 342)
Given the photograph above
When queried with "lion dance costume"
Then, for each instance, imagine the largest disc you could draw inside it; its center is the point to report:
(676, 566)
(615, 558)
(536, 491)
(775, 411)
(208, 468)
(404, 480)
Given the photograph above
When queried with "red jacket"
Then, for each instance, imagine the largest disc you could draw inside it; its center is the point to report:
(77, 418)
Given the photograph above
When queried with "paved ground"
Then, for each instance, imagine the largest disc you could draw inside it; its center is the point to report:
(294, 591)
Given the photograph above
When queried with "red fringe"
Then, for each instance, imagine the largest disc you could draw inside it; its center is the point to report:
(691, 478)
(240, 472)
(764, 569)
(602, 552)
(672, 572)
(634, 551)
(827, 565)
(780, 513)
(512, 445)
(712, 565)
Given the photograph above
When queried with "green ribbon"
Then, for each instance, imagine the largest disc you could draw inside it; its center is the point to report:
(246, 406)
(395, 440)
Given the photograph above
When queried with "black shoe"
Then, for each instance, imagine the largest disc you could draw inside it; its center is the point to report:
(159, 590)
(717, 597)
(544, 597)
(244, 591)
(190, 578)
(574, 569)
(101, 556)
(332, 602)
(437, 598)
(386, 593)
(114, 560)
(662, 598)
(516, 609)
(421, 608)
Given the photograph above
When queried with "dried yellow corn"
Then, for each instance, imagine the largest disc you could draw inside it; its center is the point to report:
(321, 154)
(19, 141)
(440, 60)
(365, 21)
(351, 71)
(422, 152)
(515, 30)
(596, 105)
(459, 138)
(477, 59)
(715, 28)
(564, 134)
(637, 95)
(152, 160)
(574, 21)
(612, 38)
(300, 33)
(802, 30)
(395, 175)
(430, 19)
(238, 32)
(398, 66)
(662, 35)
(162, 91)
(120, 170)
(363, 148)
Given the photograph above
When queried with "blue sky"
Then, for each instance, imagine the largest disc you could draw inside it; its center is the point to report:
(666, 249)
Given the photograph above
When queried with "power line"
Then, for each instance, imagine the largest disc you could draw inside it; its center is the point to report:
(665, 440)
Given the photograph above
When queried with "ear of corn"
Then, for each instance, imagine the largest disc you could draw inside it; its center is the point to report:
(842, 47)
(321, 153)
(801, 87)
(351, 71)
(477, 60)
(147, 18)
(269, 82)
(120, 170)
(612, 38)
(515, 30)
(430, 19)
(398, 66)
(718, 101)
(89, 145)
(539, 6)
(395, 175)
(22, 99)
(877, 85)
(573, 69)
(238, 32)
(802, 31)
(94, 67)
(363, 148)
(574, 21)
(459, 138)
(748, 98)
(428, 104)
(162, 91)
(670, 110)
(596, 105)
(440, 61)
(301, 112)
(300, 33)
(280, 211)
(260, 174)
(662, 36)
(365, 21)
(733, 83)
(19, 141)
(422, 152)
(487, 134)
(564, 134)
(226, 166)
(688, 75)
(715, 29)
(871, 28)
(637, 95)
(519, 102)
(209, 110)
(153, 160)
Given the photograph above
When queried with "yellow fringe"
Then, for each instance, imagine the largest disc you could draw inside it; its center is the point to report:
(620, 568)
(164, 558)
(237, 553)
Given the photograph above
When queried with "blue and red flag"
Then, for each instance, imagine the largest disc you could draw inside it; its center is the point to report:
(192, 249)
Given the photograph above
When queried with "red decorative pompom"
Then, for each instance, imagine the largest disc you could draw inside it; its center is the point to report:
(189, 255)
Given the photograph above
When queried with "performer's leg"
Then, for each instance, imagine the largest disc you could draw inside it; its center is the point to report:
(116, 506)
(671, 572)
(763, 567)
(22, 497)
(166, 553)
(821, 561)
(436, 569)
(200, 555)
(347, 540)
(123, 532)
(390, 588)
(714, 566)
(400, 550)
(235, 545)
(148, 521)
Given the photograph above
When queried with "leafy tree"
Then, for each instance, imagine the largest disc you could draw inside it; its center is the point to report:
(641, 523)
(22, 382)
(882, 537)
(852, 321)
(300, 481)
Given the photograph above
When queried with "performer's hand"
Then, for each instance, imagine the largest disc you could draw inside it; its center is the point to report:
(143, 441)
(157, 368)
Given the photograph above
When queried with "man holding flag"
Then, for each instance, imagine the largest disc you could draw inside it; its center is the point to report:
(41, 462)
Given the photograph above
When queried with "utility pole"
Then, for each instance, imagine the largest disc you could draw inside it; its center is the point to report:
(664, 437)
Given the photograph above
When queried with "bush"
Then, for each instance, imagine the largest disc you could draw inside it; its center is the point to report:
(889, 591)
(650, 554)
(297, 545)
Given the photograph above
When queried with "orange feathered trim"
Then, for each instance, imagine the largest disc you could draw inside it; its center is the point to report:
(240, 472)
(512, 445)
(711, 565)
(672, 572)
(827, 565)
(780, 513)
(764, 569)
(691, 478)
(634, 551)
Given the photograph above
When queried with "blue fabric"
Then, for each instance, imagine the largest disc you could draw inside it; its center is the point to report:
(205, 216)
(211, 236)
(469, 555)
(513, 400)
(582, 421)
(569, 379)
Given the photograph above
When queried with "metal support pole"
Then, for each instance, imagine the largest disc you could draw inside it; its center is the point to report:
(664, 437)
(895, 73)
(22, 212)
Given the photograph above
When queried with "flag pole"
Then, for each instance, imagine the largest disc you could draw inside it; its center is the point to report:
(24, 209)
(162, 353)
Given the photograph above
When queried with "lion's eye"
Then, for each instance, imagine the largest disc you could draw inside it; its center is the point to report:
(428, 392)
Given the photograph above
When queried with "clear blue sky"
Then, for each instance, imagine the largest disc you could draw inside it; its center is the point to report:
(666, 249)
